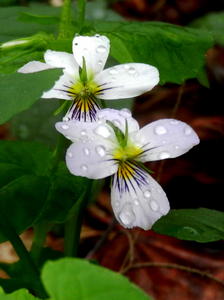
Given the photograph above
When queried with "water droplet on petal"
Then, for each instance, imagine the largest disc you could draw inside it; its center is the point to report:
(147, 194)
(113, 71)
(102, 131)
(97, 35)
(69, 154)
(100, 150)
(65, 119)
(125, 112)
(160, 130)
(154, 205)
(117, 204)
(126, 67)
(131, 71)
(100, 63)
(64, 126)
(101, 49)
(164, 155)
(86, 151)
(127, 215)
(177, 147)
(187, 130)
(84, 168)
(136, 202)
(83, 132)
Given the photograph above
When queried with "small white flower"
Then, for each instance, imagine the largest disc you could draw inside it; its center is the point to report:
(122, 81)
(120, 148)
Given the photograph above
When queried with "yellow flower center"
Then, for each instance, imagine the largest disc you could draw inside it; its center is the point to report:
(84, 90)
(130, 151)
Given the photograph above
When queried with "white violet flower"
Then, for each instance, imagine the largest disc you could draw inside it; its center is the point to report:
(84, 80)
(115, 145)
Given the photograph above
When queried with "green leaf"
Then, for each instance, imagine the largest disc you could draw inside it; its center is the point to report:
(178, 52)
(18, 295)
(27, 126)
(64, 191)
(201, 225)
(40, 19)
(79, 279)
(19, 91)
(12, 27)
(23, 188)
(30, 193)
(22, 199)
(213, 23)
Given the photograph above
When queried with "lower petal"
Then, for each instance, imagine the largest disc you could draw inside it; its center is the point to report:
(83, 109)
(138, 200)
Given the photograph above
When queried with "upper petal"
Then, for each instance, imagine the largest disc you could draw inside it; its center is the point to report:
(76, 130)
(165, 138)
(138, 201)
(119, 118)
(63, 60)
(59, 88)
(95, 50)
(127, 80)
(91, 159)
(34, 66)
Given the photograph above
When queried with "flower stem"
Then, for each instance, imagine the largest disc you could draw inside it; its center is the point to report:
(40, 232)
(65, 26)
(172, 266)
(29, 266)
(81, 5)
(74, 223)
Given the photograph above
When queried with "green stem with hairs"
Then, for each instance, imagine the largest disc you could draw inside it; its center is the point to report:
(81, 6)
(65, 26)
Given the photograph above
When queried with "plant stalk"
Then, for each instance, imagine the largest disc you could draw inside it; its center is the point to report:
(65, 26)
(81, 5)
(40, 232)
(23, 254)
(74, 224)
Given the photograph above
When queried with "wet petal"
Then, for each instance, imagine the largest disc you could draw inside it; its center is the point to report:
(76, 130)
(59, 88)
(34, 66)
(63, 60)
(119, 118)
(95, 50)
(127, 80)
(91, 159)
(165, 138)
(137, 200)
(97, 131)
